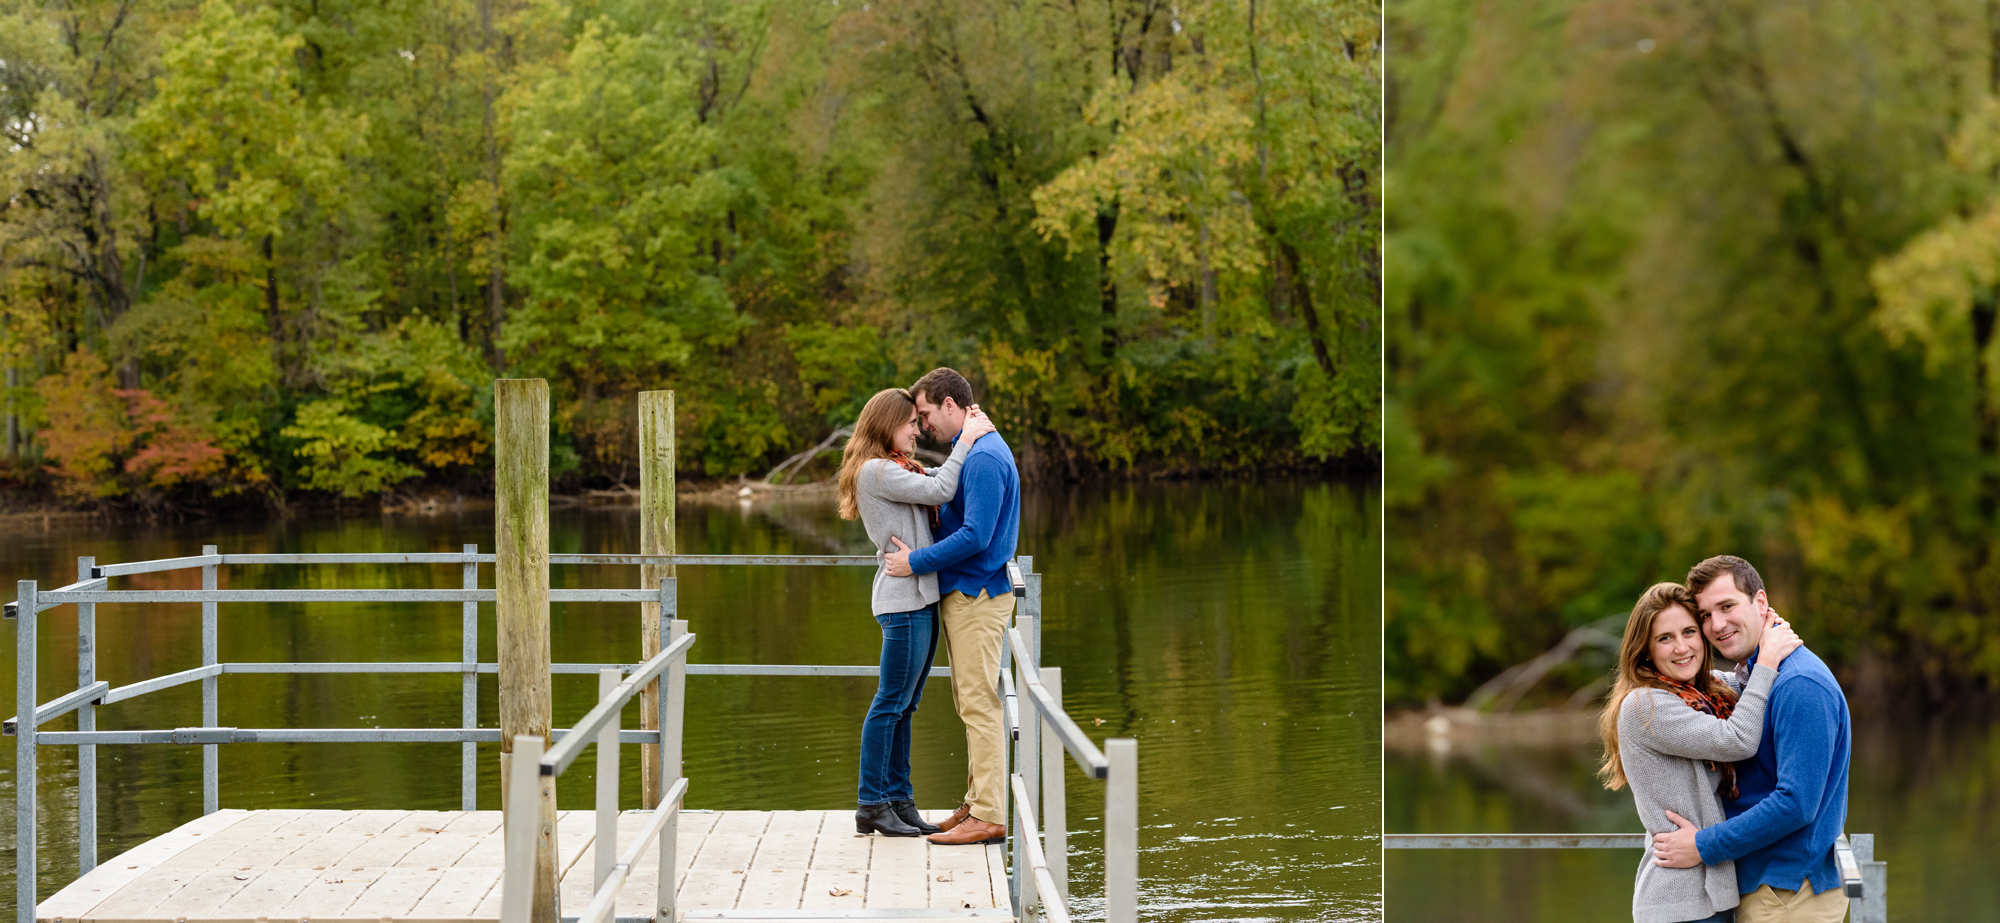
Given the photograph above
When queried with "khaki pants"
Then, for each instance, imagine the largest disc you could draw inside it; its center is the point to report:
(1778, 905)
(972, 632)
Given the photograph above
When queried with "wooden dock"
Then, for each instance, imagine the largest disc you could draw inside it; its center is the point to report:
(445, 866)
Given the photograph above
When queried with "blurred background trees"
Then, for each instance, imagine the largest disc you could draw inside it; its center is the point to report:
(265, 249)
(1678, 279)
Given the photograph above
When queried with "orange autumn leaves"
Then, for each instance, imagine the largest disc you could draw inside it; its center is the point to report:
(109, 442)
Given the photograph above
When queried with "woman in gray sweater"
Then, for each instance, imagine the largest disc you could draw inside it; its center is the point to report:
(897, 499)
(1673, 730)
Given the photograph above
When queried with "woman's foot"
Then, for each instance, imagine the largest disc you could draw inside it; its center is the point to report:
(906, 811)
(882, 819)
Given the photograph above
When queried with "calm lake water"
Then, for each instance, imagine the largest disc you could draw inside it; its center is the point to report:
(1926, 787)
(1232, 628)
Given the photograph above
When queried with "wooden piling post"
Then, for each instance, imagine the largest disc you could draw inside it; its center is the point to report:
(521, 581)
(656, 536)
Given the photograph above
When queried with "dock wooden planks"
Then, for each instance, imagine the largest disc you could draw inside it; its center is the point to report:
(277, 866)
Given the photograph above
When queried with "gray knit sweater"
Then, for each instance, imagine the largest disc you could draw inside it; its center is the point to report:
(893, 501)
(1662, 743)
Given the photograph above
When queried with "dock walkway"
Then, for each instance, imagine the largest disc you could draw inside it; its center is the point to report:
(445, 866)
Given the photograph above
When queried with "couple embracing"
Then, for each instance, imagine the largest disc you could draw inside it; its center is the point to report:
(944, 536)
(1741, 777)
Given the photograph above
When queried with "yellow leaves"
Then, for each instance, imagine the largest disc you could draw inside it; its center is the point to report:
(230, 120)
(1170, 173)
(1927, 290)
(1929, 286)
(443, 438)
(341, 450)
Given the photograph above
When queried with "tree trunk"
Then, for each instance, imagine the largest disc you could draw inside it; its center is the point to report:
(1303, 299)
(271, 286)
(1207, 294)
(1107, 285)
(496, 278)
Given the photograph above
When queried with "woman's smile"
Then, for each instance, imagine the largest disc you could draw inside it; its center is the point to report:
(1676, 644)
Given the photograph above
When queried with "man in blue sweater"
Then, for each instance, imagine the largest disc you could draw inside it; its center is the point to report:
(1792, 801)
(974, 541)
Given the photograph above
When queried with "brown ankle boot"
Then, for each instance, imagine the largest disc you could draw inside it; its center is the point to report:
(957, 817)
(969, 831)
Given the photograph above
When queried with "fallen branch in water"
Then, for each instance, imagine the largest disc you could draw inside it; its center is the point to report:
(791, 465)
(1501, 692)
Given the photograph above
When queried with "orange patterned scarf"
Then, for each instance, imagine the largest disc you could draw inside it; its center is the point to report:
(915, 467)
(1718, 705)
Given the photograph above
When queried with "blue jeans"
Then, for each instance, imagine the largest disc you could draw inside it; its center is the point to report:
(909, 643)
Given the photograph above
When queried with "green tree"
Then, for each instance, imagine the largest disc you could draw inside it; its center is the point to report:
(1665, 282)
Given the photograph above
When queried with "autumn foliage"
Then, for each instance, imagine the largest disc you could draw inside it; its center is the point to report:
(104, 441)
(267, 249)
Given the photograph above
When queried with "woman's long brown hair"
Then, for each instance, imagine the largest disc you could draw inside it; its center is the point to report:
(1636, 669)
(874, 437)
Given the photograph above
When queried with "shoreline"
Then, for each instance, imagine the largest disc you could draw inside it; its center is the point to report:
(438, 500)
(1442, 729)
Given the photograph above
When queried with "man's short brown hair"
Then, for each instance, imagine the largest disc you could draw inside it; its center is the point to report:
(938, 384)
(1703, 574)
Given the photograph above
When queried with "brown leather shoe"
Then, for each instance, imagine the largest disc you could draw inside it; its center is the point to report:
(957, 817)
(969, 831)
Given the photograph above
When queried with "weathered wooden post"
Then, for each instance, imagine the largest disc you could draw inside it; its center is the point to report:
(656, 536)
(521, 581)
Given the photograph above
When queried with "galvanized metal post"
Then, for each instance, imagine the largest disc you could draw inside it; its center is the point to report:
(521, 584)
(211, 756)
(663, 900)
(1874, 904)
(673, 699)
(524, 833)
(1055, 803)
(606, 843)
(1121, 831)
(1027, 898)
(86, 720)
(1029, 619)
(24, 751)
(673, 693)
(1018, 875)
(1032, 604)
(656, 536)
(468, 659)
(1013, 752)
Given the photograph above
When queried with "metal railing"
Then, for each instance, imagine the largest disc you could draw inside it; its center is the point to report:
(1040, 876)
(530, 765)
(1864, 880)
(1038, 869)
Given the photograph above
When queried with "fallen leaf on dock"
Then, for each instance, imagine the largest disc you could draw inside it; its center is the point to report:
(840, 892)
(1100, 723)
(428, 830)
(966, 903)
(946, 877)
(242, 878)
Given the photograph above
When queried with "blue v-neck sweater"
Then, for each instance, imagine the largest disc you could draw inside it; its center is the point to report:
(1792, 800)
(978, 527)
